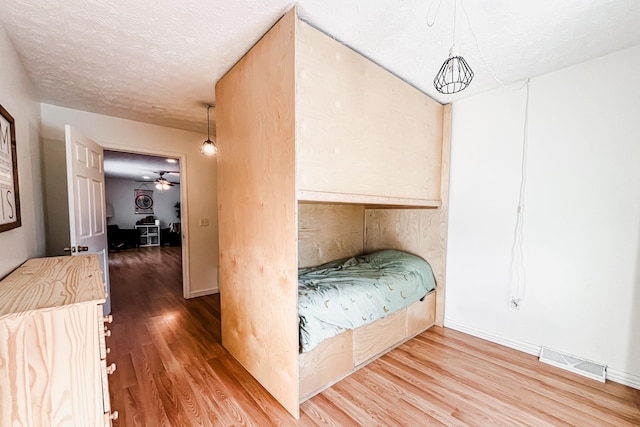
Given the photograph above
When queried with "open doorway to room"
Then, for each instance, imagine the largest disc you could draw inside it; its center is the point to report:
(143, 209)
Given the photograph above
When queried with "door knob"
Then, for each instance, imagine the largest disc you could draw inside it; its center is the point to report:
(83, 248)
(71, 249)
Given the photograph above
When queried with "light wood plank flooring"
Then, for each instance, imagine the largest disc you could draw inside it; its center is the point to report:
(172, 371)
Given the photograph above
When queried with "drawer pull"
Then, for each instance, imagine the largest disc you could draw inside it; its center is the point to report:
(108, 319)
(111, 369)
(114, 415)
(107, 332)
(108, 350)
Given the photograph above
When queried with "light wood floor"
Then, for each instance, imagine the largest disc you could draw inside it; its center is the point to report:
(172, 371)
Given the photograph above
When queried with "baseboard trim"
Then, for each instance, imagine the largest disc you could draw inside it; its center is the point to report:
(624, 378)
(516, 345)
(204, 292)
(620, 377)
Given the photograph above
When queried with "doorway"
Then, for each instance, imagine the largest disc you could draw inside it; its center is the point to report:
(143, 205)
(56, 200)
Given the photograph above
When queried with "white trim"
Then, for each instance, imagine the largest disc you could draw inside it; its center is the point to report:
(624, 378)
(516, 345)
(614, 375)
(204, 292)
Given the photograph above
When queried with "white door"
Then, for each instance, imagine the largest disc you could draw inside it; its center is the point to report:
(85, 183)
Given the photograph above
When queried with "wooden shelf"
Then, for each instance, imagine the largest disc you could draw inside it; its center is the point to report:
(363, 199)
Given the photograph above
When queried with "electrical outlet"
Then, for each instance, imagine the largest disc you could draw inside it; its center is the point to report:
(204, 222)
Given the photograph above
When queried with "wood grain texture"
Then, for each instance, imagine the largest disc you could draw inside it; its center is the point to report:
(329, 361)
(50, 367)
(360, 129)
(44, 283)
(374, 338)
(329, 231)
(257, 212)
(418, 231)
(421, 315)
(440, 377)
(422, 232)
(375, 201)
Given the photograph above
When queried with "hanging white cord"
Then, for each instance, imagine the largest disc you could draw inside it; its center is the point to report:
(455, 10)
(486, 64)
(435, 15)
(517, 273)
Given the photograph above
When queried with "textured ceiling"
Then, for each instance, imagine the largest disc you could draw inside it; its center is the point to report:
(136, 166)
(157, 61)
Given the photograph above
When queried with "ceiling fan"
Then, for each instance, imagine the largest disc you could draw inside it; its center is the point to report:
(163, 183)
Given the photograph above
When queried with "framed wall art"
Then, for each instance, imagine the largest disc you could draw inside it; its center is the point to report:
(9, 195)
(143, 200)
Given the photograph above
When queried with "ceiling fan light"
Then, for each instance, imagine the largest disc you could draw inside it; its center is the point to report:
(209, 148)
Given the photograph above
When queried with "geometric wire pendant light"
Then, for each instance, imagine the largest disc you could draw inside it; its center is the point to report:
(208, 147)
(455, 74)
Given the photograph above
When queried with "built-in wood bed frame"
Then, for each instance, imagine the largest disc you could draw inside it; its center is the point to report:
(322, 154)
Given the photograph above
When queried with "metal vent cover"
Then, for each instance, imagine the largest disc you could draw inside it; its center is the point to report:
(578, 365)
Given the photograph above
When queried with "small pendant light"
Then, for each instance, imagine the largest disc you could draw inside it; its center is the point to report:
(208, 147)
(455, 74)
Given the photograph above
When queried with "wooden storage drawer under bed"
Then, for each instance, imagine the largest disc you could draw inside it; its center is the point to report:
(337, 357)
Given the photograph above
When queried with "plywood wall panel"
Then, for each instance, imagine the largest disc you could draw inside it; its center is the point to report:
(329, 231)
(374, 338)
(257, 213)
(419, 231)
(330, 360)
(421, 315)
(360, 129)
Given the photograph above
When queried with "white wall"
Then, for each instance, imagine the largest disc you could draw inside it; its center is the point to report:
(581, 218)
(18, 97)
(198, 180)
(119, 192)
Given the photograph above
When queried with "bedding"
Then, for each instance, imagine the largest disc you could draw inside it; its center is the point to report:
(351, 292)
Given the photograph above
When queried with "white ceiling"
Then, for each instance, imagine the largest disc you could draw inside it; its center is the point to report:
(157, 61)
(136, 166)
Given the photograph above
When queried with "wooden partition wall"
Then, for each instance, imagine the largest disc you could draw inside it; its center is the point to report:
(311, 137)
(257, 213)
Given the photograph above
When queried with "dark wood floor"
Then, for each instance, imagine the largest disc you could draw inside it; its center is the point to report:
(172, 371)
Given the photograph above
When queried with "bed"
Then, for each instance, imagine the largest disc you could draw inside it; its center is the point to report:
(352, 292)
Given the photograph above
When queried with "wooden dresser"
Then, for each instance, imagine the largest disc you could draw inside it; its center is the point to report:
(53, 367)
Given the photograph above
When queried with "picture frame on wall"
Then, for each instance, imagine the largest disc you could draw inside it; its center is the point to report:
(10, 217)
(143, 201)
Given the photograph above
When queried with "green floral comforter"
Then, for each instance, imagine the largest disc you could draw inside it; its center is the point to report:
(352, 292)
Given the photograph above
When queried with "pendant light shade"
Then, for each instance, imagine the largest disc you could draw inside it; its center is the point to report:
(208, 147)
(454, 75)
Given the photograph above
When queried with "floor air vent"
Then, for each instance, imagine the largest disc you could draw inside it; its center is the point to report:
(593, 370)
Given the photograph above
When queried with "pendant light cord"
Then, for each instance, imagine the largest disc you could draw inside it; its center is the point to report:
(208, 123)
(455, 11)
(435, 15)
(517, 272)
(431, 22)
(486, 64)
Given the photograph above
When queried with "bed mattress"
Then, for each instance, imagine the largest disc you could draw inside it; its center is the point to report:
(351, 292)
